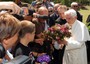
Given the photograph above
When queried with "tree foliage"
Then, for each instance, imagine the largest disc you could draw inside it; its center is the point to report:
(66, 2)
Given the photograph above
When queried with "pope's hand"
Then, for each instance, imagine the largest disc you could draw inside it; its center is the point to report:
(62, 42)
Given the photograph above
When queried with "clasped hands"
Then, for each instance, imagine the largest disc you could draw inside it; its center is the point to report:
(59, 44)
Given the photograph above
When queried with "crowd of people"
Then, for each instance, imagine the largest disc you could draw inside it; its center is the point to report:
(22, 25)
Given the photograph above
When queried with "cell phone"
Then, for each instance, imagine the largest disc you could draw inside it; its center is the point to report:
(24, 11)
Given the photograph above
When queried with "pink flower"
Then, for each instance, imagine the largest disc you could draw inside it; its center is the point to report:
(57, 32)
(50, 29)
(58, 38)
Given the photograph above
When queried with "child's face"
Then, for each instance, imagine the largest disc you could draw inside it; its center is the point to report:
(32, 35)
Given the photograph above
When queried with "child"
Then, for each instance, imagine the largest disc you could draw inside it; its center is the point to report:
(26, 35)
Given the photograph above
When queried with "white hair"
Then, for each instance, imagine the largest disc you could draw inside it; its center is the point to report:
(71, 12)
(50, 8)
(74, 3)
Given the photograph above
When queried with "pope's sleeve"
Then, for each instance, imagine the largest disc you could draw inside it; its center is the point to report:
(82, 35)
(73, 44)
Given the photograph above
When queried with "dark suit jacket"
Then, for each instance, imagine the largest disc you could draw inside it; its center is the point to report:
(60, 21)
(79, 16)
(52, 19)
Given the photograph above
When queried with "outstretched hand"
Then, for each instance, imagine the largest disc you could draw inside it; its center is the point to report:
(62, 42)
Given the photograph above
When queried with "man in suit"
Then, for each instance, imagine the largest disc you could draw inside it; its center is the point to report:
(40, 45)
(54, 16)
(75, 6)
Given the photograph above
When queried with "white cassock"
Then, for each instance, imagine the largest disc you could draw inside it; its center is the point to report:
(75, 52)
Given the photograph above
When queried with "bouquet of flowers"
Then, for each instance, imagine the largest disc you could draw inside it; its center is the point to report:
(43, 59)
(57, 32)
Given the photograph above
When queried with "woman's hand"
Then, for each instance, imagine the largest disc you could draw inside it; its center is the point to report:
(39, 40)
(40, 54)
(35, 53)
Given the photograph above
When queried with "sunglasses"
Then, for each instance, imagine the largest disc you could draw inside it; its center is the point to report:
(50, 11)
(75, 6)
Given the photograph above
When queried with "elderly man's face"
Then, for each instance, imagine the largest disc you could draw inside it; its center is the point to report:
(69, 18)
(45, 13)
(75, 7)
